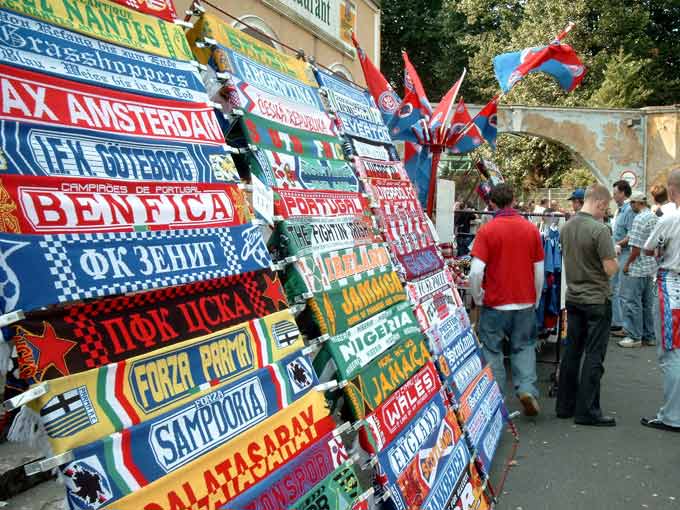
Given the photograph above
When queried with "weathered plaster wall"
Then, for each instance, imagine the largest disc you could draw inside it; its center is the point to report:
(663, 143)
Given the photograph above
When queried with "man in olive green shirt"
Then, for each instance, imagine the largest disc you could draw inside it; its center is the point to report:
(589, 261)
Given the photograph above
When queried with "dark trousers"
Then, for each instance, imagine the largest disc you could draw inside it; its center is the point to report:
(587, 333)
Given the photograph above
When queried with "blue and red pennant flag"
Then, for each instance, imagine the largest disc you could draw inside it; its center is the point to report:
(466, 133)
(414, 107)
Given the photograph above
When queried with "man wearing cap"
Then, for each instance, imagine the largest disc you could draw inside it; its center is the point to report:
(576, 199)
(637, 281)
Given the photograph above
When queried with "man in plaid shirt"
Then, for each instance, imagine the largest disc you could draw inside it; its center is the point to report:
(638, 292)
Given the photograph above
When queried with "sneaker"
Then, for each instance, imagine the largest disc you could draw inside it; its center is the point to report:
(619, 333)
(649, 343)
(629, 342)
(529, 404)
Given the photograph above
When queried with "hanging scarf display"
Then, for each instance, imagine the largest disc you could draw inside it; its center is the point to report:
(406, 233)
(299, 236)
(280, 170)
(483, 415)
(75, 338)
(83, 407)
(45, 205)
(209, 26)
(443, 494)
(461, 378)
(163, 9)
(336, 492)
(474, 394)
(36, 149)
(65, 103)
(146, 452)
(333, 270)
(468, 492)
(393, 197)
(419, 263)
(336, 311)
(368, 168)
(489, 442)
(227, 471)
(112, 23)
(295, 478)
(45, 270)
(328, 204)
(359, 345)
(451, 349)
(435, 297)
(389, 418)
(668, 283)
(77, 57)
(279, 137)
(377, 151)
(380, 378)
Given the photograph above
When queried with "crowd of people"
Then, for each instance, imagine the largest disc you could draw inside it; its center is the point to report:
(623, 280)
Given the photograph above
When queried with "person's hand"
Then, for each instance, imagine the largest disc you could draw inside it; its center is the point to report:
(617, 249)
(626, 268)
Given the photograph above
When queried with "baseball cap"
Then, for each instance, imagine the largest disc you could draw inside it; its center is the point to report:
(638, 196)
(578, 194)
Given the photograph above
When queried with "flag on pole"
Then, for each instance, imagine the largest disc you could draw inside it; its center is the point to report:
(418, 165)
(486, 121)
(414, 107)
(459, 141)
(438, 122)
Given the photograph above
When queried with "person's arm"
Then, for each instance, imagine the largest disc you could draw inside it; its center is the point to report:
(605, 250)
(539, 279)
(635, 241)
(611, 266)
(476, 277)
(634, 254)
(657, 238)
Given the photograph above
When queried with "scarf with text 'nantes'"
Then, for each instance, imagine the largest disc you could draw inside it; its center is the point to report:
(119, 395)
(78, 337)
(295, 478)
(42, 270)
(336, 492)
(336, 311)
(143, 453)
(229, 470)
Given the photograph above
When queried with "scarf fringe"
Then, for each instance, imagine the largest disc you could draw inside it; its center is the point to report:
(26, 428)
(5, 356)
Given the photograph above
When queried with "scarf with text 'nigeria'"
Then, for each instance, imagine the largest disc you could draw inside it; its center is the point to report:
(337, 491)
(143, 453)
(42, 270)
(119, 395)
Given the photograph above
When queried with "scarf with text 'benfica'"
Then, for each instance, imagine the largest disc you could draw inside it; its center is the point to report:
(83, 407)
(336, 492)
(380, 378)
(295, 478)
(78, 337)
(227, 471)
(143, 453)
(42, 270)
(352, 350)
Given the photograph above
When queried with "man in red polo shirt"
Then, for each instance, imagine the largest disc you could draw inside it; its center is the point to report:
(506, 279)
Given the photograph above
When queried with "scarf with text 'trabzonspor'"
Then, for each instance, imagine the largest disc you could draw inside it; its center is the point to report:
(336, 492)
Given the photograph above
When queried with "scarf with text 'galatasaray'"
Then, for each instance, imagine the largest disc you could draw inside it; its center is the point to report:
(114, 24)
(227, 471)
(380, 378)
(295, 478)
(143, 453)
(336, 492)
(48, 205)
(81, 408)
(352, 350)
(336, 311)
(301, 236)
(333, 270)
(78, 337)
(44, 270)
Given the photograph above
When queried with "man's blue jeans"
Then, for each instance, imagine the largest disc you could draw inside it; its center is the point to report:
(638, 295)
(520, 327)
(617, 308)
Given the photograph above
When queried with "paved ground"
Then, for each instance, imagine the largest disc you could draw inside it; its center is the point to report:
(559, 466)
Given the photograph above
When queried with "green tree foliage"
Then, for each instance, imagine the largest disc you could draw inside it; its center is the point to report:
(621, 87)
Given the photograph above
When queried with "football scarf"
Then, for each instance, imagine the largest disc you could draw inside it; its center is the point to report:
(220, 32)
(460, 379)
(377, 151)
(227, 471)
(336, 311)
(359, 345)
(468, 491)
(435, 297)
(297, 142)
(280, 170)
(406, 233)
(419, 263)
(668, 283)
(50, 269)
(452, 352)
(83, 407)
(112, 23)
(78, 57)
(394, 197)
(483, 416)
(389, 418)
(44, 205)
(474, 394)
(336, 492)
(295, 478)
(331, 271)
(450, 478)
(380, 378)
(489, 442)
(328, 204)
(163, 9)
(35, 149)
(150, 450)
(74, 338)
(65, 103)
(375, 169)
(300, 236)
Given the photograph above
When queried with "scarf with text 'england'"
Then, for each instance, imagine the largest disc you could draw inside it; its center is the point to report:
(83, 407)
(143, 453)
(42, 270)
(112, 23)
(229, 470)
(74, 338)
(295, 478)
(337, 491)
